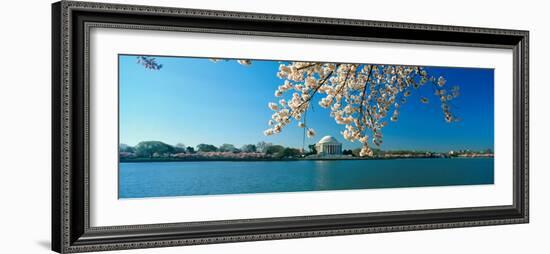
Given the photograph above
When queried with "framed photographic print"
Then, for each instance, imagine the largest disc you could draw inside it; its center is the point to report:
(181, 126)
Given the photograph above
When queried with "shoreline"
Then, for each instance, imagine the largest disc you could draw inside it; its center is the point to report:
(289, 159)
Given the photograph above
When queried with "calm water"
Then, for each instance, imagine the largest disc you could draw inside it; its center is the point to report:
(161, 179)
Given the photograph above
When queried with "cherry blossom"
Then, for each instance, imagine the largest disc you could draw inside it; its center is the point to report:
(149, 63)
(360, 96)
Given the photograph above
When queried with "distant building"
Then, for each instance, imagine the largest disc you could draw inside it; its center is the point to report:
(328, 145)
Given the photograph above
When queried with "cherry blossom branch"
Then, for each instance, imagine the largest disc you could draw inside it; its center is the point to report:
(363, 98)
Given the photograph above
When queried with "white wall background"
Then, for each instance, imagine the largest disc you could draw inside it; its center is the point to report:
(25, 126)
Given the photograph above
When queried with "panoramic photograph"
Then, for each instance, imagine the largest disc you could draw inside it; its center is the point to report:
(210, 126)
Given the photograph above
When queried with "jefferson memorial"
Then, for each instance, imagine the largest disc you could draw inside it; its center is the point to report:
(328, 145)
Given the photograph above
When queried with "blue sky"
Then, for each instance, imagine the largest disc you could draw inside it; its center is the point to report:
(193, 101)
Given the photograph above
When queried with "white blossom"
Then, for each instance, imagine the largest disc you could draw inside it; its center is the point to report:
(244, 62)
(273, 106)
(268, 132)
(441, 81)
(310, 133)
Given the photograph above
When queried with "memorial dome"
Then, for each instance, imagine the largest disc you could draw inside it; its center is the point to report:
(328, 140)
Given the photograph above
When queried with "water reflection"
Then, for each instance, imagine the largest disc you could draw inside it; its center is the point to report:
(322, 175)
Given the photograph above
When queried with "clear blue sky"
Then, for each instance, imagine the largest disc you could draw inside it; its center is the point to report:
(193, 101)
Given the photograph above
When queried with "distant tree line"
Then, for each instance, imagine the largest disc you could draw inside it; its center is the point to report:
(158, 149)
(147, 150)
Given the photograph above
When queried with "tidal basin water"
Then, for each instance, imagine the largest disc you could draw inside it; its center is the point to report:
(163, 179)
